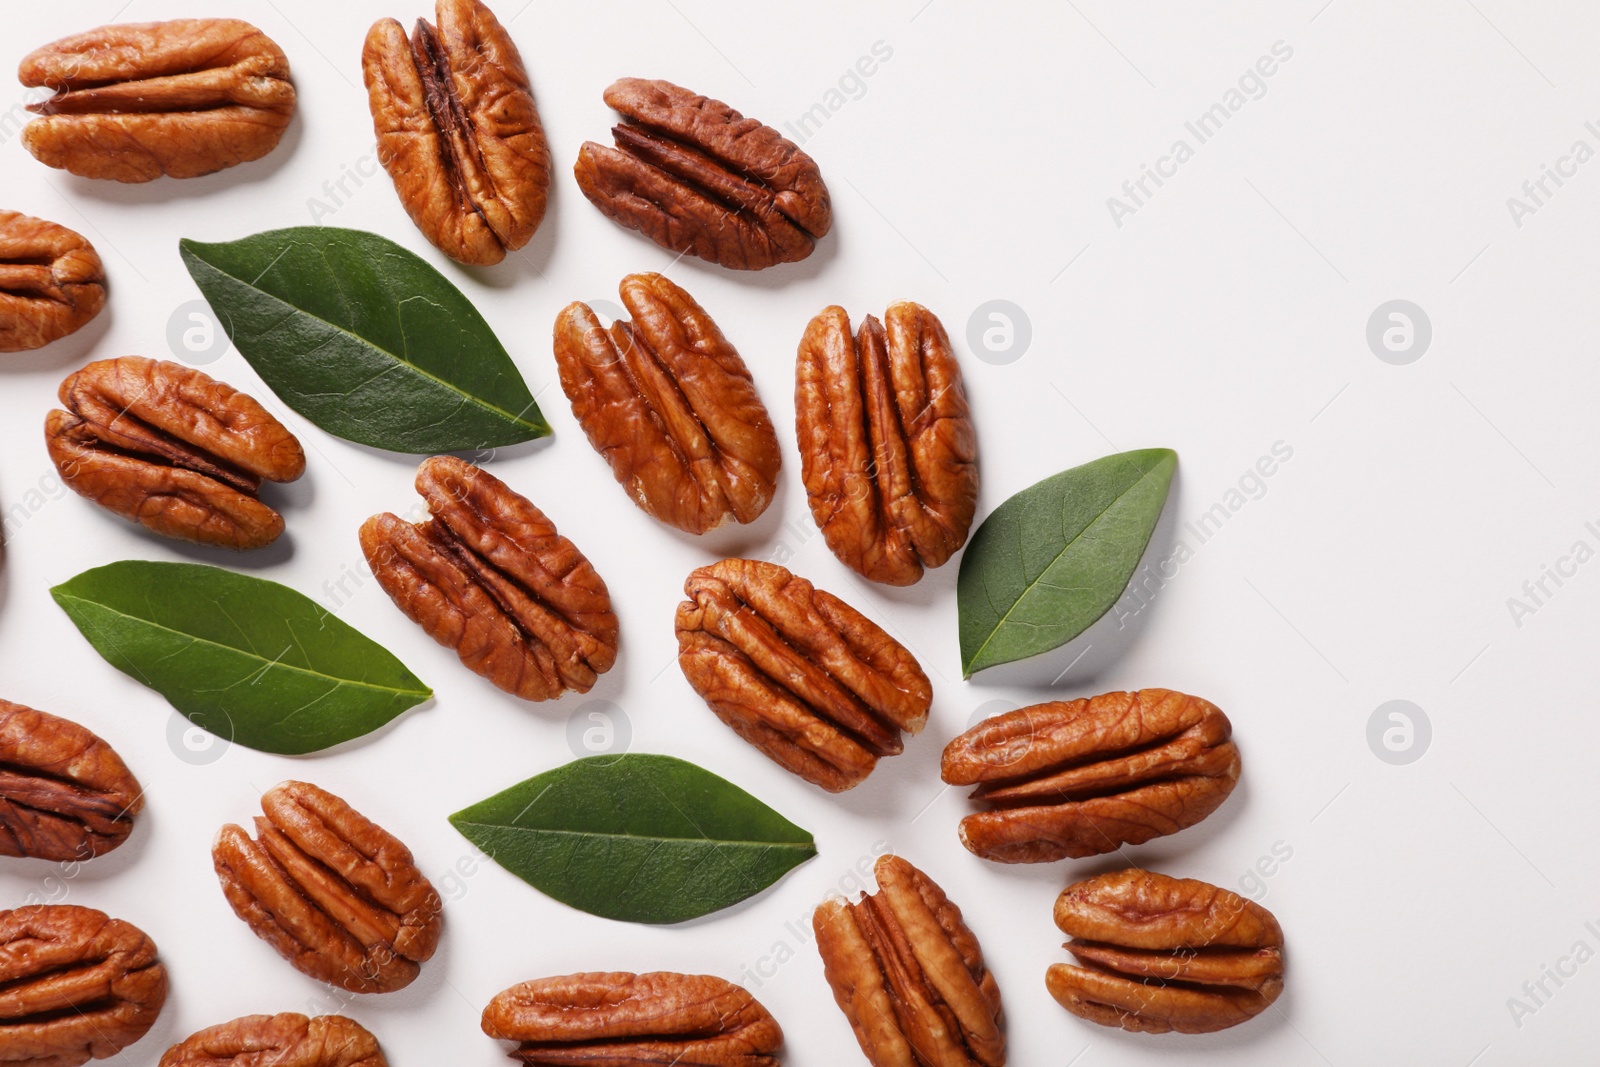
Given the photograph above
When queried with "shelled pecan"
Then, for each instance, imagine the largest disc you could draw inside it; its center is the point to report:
(286, 1040)
(75, 985)
(1075, 778)
(623, 1019)
(335, 894)
(172, 449)
(671, 406)
(697, 177)
(909, 975)
(51, 282)
(138, 100)
(64, 794)
(887, 449)
(458, 130)
(488, 575)
(797, 672)
(1160, 954)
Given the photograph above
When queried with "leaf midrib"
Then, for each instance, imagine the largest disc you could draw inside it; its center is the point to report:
(470, 398)
(1030, 586)
(723, 842)
(270, 664)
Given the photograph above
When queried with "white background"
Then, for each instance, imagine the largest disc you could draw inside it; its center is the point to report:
(1227, 314)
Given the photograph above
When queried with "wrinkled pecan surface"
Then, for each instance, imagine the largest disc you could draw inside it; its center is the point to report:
(287, 1040)
(488, 575)
(1074, 778)
(1160, 954)
(909, 975)
(75, 985)
(458, 130)
(51, 282)
(173, 449)
(887, 449)
(135, 101)
(634, 1020)
(336, 894)
(697, 177)
(797, 672)
(671, 406)
(64, 794)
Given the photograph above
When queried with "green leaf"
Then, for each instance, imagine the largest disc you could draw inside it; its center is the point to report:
(642, 838)
(1055, 557)
(250, 660)
(365, 339)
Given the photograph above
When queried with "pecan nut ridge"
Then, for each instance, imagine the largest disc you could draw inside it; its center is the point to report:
(75, 985)
(1070, 779)
(335, 894)
(624, 1018)
(811, 682)
(887, 446)
(488, 575)
(52, 282)
(135, 101)
(671, 406)
(1158, 954)
(173, 449)
(284, 1040)
(909, 975)
(458, 130)
(64, 793)
(697, 177)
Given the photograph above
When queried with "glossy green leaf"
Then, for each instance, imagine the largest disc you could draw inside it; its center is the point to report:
(365, 339)
(642, 838)
(1055, 557)
(250, 660)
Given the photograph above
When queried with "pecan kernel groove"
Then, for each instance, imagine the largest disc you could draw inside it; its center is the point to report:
(64, 794)
(51, 282)
(671, 406)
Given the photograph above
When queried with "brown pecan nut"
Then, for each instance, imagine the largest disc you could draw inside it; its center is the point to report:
(337, 895)
(488, 575)
(1160, 954)
(909, 975)
(458, 130)
(64, 794)
(697, 177)
(51, 282)
(887, 448)
(172, 449)
(287, 1040)
(75, 985)
(1075, 778)
(671, 406)
(634, 1020)
(797, 672)
(135, 101)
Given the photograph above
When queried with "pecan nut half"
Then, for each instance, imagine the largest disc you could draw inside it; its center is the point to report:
(75, 985)
(135, 101)
(909, 975)
(697, 177)
(1160, 954)
(172, 449)
(623, 1019)
(51, 282)
(1075, 778)
(337, 895)
(887, 449)
(286, 1040)
(797, 672)
(488, 575)
(64, 794)
(458, 130)
(671, 406)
